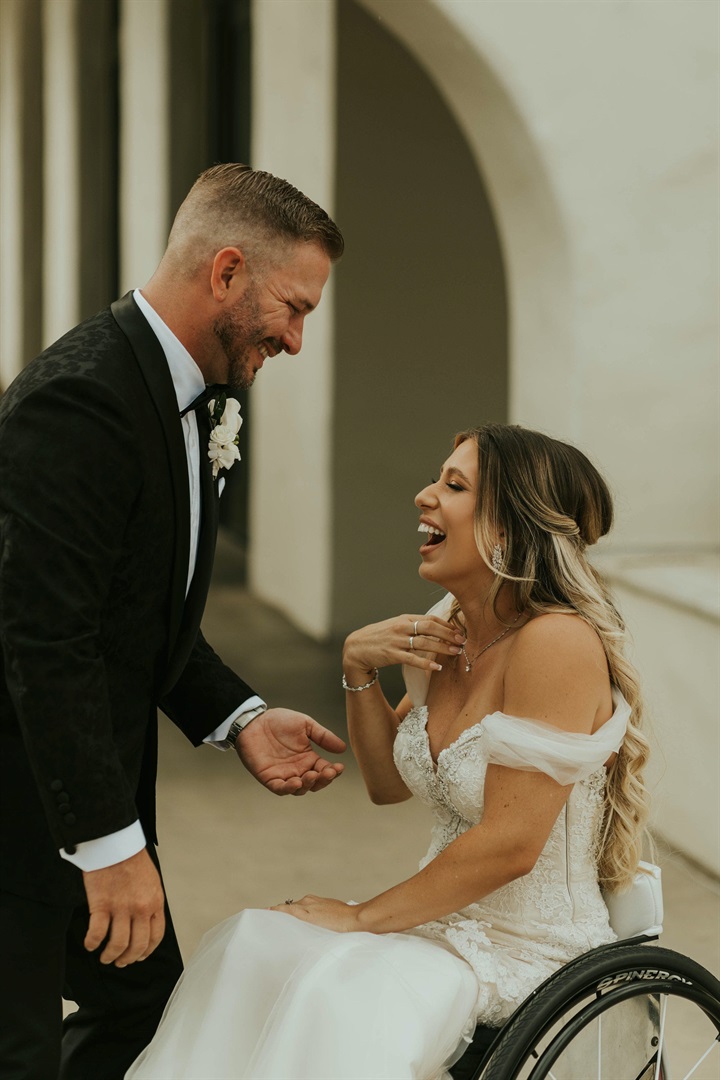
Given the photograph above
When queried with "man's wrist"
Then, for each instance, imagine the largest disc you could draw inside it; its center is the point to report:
(107, 850)
(240, 723)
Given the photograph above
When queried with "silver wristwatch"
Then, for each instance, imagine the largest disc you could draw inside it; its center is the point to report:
(239, 723)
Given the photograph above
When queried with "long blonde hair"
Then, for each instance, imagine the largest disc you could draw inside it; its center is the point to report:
(552, 504)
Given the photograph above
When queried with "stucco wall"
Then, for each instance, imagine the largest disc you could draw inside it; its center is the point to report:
(676, 647)
(610, 112)
(594, 127)
(293, 124)
(421, 316)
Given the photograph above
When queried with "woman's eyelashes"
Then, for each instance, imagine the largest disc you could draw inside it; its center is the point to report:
(448, 483)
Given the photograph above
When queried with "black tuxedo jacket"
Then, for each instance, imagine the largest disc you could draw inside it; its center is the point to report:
(95, 628)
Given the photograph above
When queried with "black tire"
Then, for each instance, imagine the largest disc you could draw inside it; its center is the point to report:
(557, 1012)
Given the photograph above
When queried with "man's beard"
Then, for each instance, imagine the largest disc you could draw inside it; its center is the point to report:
(239, 331)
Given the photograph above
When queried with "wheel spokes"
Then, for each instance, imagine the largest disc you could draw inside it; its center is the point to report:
(663, 1011)
(599, 1047)
(698, 1063)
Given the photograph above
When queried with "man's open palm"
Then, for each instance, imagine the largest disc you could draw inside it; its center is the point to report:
(277, 748)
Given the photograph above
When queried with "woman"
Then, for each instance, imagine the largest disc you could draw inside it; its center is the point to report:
(521, 729)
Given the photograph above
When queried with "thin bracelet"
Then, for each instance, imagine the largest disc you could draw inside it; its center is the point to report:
(357, 689)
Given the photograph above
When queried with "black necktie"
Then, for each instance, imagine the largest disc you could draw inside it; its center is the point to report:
(207, 395)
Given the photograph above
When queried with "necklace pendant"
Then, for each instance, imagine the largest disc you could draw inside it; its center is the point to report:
(468, 666)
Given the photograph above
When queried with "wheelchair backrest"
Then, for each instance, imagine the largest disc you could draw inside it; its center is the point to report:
(638, 910)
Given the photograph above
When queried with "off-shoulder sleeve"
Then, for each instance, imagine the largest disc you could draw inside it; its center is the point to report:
(566, 756)
(417, 680)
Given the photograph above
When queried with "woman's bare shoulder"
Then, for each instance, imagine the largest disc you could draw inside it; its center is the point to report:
(557, 671)
(558, 630)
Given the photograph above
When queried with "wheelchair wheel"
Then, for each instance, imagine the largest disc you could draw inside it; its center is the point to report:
(624, 1012)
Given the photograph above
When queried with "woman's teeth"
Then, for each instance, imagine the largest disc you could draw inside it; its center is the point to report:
(432, 531)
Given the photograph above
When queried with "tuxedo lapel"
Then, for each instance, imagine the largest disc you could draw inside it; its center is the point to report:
(197, 593)
(153, 365)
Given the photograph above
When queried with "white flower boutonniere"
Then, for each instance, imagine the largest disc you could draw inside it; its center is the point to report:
(226, 422)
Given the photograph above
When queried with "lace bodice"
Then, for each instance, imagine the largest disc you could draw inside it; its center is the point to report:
(523, 931)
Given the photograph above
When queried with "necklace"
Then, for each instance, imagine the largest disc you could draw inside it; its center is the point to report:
(469, 663)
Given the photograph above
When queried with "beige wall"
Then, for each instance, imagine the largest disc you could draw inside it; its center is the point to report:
(593, 128)
(676, 647)
(293, 124)
(609, 112)
(520, 188)
(145, 213)
(421, 315)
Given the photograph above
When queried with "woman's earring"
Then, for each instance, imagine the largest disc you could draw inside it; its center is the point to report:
(497, 558)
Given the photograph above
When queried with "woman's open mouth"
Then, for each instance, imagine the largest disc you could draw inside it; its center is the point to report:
(435, 537)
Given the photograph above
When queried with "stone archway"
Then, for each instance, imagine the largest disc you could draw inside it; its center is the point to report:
(446, 39)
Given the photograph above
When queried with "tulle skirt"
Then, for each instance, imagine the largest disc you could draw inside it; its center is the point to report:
(269, 997)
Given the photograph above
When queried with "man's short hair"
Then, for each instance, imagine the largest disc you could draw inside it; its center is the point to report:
(232, 205)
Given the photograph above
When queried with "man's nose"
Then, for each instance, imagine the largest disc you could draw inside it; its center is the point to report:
(292, 340)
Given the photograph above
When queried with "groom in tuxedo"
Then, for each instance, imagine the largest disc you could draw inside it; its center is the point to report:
(112, 462)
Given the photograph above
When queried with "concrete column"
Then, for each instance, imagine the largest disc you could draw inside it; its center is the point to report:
(10, 193)
(21, 204)
(293, 126)
(189, 106)
(98, 153)
(61, 190)
(144, 140)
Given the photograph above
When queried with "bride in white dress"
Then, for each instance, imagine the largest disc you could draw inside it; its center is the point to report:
(521, 728)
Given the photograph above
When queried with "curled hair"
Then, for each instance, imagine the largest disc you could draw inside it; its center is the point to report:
(552, 504)
(232, 205)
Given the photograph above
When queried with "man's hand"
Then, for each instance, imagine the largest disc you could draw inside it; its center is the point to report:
(127, 900)
(277, 749)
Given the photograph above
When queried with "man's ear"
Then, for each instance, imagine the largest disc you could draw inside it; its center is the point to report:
(228, 274)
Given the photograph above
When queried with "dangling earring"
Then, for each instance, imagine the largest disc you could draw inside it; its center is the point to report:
(497, 558)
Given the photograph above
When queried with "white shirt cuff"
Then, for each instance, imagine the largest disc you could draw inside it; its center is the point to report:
(217, 737)
(108, 850)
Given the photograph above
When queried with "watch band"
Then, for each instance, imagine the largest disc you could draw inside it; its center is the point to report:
(239, 723)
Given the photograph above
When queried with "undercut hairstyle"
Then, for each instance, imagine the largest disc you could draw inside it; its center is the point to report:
(232, 205)
(552, 505)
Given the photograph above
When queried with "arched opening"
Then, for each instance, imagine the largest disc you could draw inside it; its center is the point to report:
(421, 313)
(448, 41)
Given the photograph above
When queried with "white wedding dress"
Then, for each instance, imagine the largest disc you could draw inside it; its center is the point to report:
(271, 998)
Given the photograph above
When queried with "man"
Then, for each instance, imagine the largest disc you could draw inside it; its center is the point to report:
(109, 487)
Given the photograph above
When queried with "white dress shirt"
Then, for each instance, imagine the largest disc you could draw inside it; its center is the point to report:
(188, 382)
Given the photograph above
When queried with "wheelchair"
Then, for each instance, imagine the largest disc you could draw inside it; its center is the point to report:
(625, 1011)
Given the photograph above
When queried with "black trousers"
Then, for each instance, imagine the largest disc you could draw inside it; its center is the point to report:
(42, 959)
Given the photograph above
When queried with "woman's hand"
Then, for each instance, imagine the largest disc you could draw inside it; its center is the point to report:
(416, 640)
(321, 911)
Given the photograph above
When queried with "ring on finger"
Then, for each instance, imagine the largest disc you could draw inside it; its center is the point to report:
(412, 638)
(415, 628)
